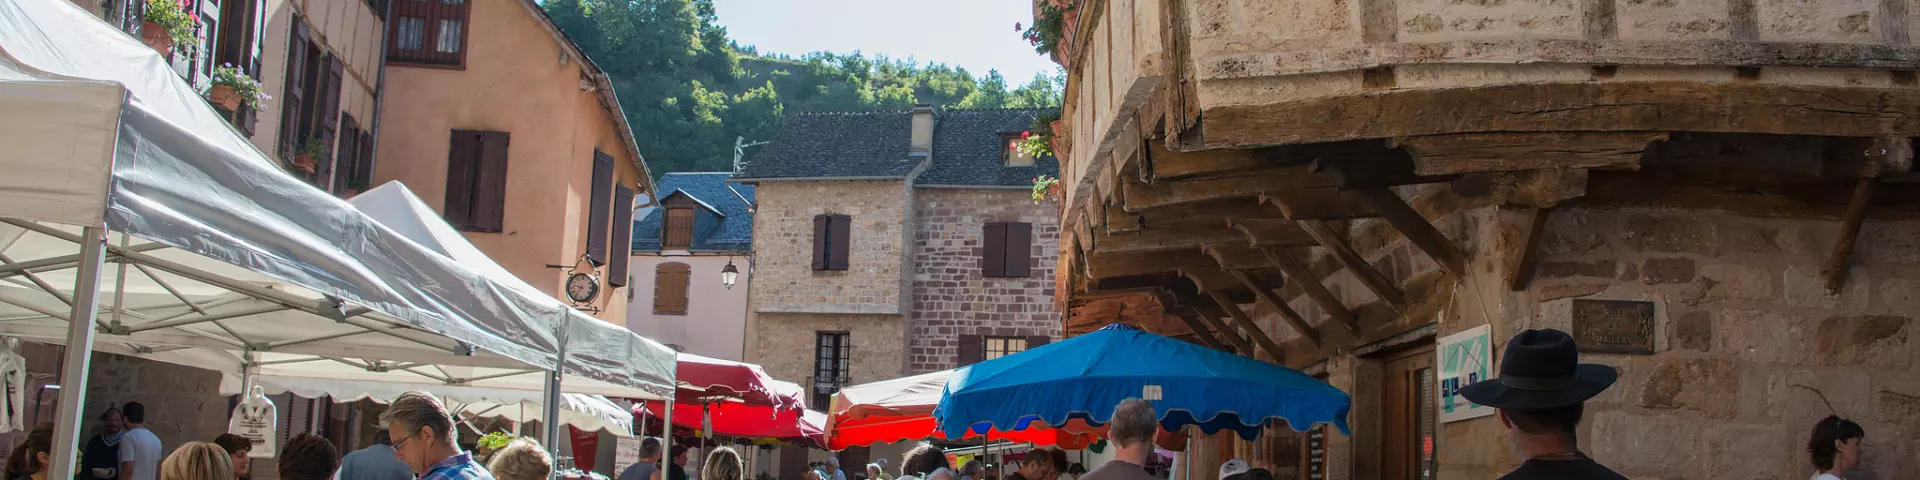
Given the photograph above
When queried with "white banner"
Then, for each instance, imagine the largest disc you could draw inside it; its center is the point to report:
(626, 451)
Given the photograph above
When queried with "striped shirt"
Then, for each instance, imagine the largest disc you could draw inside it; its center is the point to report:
(458, 467)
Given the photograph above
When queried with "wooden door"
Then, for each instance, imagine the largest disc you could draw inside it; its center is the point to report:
(1407, 416)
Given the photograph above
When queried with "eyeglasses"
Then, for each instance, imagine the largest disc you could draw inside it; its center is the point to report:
(403, 441)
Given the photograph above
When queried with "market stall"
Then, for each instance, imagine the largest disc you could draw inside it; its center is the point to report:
(902, 409)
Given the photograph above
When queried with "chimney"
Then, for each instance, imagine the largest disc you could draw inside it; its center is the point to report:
(922, 140)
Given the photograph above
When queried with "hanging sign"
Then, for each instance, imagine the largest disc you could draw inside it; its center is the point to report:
(626, 451)
(1465, 358)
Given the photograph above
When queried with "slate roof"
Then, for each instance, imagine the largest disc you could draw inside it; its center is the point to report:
(725, 225)
(966, 148)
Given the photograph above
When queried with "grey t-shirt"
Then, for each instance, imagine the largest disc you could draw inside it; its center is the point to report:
(1118, 470)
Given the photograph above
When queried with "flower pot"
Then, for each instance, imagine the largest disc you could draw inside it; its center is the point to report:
(1053, 191)
(155, 36)
(304, 163)
(224, 97)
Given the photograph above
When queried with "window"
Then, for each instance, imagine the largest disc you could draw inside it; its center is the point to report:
(678, 231)
(238, 44)
(831, 235)
(1011, 155)
(310, 106)
(832, 357)
(354, 171)
(622, 236)
(1006, 249)
(1408, 416)
(430, 32)
(670, 288)
(477, 180)
(978, 348)
(599, 205)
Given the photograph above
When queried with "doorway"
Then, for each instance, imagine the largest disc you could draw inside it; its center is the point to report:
(1407, 416)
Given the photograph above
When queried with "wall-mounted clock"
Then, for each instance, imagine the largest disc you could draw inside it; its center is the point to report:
(582, 287)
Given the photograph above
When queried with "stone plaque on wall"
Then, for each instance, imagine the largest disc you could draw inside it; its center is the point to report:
(1613, 326)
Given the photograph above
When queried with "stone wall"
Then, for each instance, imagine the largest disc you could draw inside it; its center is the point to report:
(183, 403)
(951, 298)
(783, 240)
(786, 346)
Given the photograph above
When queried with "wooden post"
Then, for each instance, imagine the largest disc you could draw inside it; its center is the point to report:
(1522, 274)
(1416, 228)
(1246, 323)
(1836, 271)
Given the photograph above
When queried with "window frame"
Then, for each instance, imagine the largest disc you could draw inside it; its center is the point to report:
(668, 228)
(1009, 344)
(830, 255)
(431, 15)
(839, 364)
(1006, 250)
(467, 208)
(1010, 151)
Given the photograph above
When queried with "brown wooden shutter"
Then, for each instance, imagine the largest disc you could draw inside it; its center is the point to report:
(820, 241)
(349, 153)
(489, 210)
(292, 97)
(973, 349)
(329, 122)
(622, 236)
(1035, 341)
(463, 151)
(363, 164)
(670, 282)
(599, 199)
(679, 228)
(993, 252)
(1019, 249)
(840, 239)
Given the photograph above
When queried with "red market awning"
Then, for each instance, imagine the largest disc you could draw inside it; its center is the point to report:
(706, 380)
(902, 409)
(741, 420)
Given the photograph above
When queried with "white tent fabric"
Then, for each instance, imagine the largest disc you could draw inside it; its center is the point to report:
(585, 412)
(230, 255)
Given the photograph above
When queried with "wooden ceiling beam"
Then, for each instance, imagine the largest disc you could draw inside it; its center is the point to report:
(1320, 204)
(1245, 322)
(1207, 213)
(1123, 264)
(1211, 315)
(1417, 229)
(1276, 232)
(1170, 304)
(1522, 274)
(1152, 240)
(1236, 256)
(1212, 279)
(1834, 275)
(1454, 154)
(1298, 273)
(1868, 157)
(1369, 276)
(1141, 196)
(1266, 294)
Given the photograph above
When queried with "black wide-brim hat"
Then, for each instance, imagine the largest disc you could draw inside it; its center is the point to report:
(1541, 370)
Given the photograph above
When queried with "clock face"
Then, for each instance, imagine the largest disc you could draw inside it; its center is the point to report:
(582, 287)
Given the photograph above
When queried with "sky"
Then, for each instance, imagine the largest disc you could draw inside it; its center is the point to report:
(975, 34)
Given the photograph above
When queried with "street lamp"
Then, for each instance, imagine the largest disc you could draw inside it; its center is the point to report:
(728, 274)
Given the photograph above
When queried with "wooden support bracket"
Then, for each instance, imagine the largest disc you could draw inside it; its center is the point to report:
(1246, 324)
(1298, 273)
(1274, 232)
(1348, 258)
(1287, 313)
(1212, 319)
(1522, 274)
(1835, 273)
(1417, 229)
(1168, 303)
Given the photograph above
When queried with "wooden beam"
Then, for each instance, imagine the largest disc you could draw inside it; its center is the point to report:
(1236, 256)
(1111, 265)
(1246, 324)
(1383, 168)
(1170, 165)
(1321, 204)
(1241, 184)
(1868, 157)
(1417, 229)
(1275, 232)
(1298, 273)
(1287, 313)
(1546, 188)
(1185, 215)
(1201, 332)
(1239, 344)
(1348, 258)
(1522, 274)
(1212, 279)
(1151, 240)
(1454, 154)
(1835, 272)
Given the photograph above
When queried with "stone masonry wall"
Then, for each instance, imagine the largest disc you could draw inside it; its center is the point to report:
(183, 403)
(784, 279)
(787, 342)
(951, 298)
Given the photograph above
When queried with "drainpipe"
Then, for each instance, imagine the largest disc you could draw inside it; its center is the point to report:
(380, 87)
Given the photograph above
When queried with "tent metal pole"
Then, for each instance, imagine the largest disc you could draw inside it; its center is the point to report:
(180, 322)
(550, 414)
(79, 354)
(120, 286)
(666, 429)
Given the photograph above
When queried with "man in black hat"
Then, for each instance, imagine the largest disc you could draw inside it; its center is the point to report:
(1540, 393)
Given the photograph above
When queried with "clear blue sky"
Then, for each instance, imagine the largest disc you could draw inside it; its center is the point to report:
(975, 34)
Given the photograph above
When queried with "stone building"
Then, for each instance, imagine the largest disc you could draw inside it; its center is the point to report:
(681, 248)
(893, 243)
(1711, 196)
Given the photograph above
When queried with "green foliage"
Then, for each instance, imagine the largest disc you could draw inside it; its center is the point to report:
(494, 441)
(241, 83)
(173, 16)
(1043, 187)
(1048, 28)
(689, 91)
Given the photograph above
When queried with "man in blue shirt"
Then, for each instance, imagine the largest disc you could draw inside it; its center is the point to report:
(421, 430)
(376, 462)
(648, 468)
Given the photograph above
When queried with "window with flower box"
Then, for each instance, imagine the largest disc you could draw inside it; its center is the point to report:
(1010, 154)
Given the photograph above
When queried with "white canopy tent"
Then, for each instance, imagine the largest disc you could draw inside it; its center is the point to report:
(582, 411)
(125, 191)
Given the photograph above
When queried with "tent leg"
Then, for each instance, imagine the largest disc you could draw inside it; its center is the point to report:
(666, 430)
(550, 414)
(79, 354)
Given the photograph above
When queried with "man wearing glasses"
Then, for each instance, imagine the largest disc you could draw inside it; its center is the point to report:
(424, 439)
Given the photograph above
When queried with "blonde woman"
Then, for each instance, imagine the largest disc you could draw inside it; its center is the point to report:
(723, 464)
(197, 461)
(521, 460)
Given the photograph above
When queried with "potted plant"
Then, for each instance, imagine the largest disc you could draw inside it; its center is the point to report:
(307, 158)
(232, 88)
(1048, 27)
(167, 24)
(1045, 187)
(489, 443)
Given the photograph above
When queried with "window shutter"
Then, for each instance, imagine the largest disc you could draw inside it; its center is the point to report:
(993, 252)
(1019, 249)
(670, 281)
(622, 236)
(363, 163)
(820, 241)
(973, 349)
(292, 98)
(489, 210)
(599, 200)
(330, 119)
(679, 228)
(349, 153)
(839, 234)
(1035, 341)
(463, 150)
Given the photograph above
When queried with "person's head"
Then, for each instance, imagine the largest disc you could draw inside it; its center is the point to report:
(1540, 390)
(1037, 465)
(1077, 469)
(237, 447)
(195, 461)
(1553, 426)
(942, 473)
(31, 455)
(923, 459)
(678, 454)
(974, 468)
(1835, 444)
(113, 421)
(1132, 429)
(1059, 461)
(650, 449)
(523, 459)
(723, 463)
(1257, 474)
(833, 464)
(135, 414)
(421, 430)
(1231, 469)
(308, 457)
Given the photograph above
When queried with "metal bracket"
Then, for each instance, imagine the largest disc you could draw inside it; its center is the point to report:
(120, 329)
